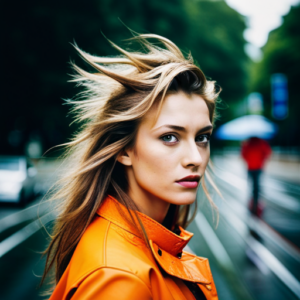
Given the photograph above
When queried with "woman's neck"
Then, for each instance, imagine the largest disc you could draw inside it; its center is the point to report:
(148, 204)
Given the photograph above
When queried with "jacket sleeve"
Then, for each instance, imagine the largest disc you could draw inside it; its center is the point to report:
(244, 151)
(112, 284)
(267, 150)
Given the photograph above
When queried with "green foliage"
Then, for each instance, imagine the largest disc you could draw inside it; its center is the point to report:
(218, 44)
(37, 51)
(281, 55)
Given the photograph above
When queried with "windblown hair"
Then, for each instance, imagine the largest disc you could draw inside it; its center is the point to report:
(115, 98)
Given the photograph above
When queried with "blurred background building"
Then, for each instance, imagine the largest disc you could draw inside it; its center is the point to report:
(251, 48)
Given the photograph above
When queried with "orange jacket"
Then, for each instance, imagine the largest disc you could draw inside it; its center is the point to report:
(113, 262)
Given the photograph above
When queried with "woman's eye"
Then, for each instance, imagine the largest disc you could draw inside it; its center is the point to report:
(170, 138)
(204, 138)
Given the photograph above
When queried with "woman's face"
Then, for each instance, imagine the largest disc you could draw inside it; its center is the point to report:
(170, 155)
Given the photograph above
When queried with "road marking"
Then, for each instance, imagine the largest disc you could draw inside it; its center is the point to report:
(31, 212)
(213, 241)
(220, 253)
(262, 227)
(237, 182)
(263, 253)
(275, 265)
(188, 249)
(23, 234)
(274, 196)
(283, 200)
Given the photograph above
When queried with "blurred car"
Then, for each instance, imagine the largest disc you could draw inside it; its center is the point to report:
(17, 179)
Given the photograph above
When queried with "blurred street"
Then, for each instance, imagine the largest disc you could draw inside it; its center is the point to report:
(257, 258)
(250, 258)
(23, 239)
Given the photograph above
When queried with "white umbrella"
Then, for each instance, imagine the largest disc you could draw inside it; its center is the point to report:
(246, 127)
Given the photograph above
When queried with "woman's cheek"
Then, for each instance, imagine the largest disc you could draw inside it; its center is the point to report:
(207, 156)
(155, 173)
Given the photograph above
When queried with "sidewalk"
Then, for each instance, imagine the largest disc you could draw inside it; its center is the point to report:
(286, 168)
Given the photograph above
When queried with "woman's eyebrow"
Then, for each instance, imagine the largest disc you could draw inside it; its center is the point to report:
(206, 128)
(183, 129)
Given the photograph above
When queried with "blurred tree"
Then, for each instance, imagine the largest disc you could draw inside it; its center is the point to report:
(37, 52)
(216, 40)
(281, 55)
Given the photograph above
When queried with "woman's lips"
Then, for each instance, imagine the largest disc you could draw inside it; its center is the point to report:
(188, 184)
(191, 181)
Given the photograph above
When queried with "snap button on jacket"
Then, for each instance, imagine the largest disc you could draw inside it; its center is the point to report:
(112, 262)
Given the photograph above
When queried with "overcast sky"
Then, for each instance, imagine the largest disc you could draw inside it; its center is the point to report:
(263, 16)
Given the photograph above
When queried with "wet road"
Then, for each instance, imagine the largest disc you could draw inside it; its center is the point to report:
(254, 258)
(261, 264)
(23, 239)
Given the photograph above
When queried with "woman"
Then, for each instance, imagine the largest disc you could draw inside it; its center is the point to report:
(135, 169)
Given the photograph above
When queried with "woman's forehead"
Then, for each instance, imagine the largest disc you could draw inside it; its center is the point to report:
(179, 109)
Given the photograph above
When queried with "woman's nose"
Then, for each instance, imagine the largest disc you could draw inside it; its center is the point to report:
(192, 156)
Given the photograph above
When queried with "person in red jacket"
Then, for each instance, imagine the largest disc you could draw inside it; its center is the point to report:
(255, 152)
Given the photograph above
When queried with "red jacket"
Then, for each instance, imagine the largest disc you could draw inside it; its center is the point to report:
(255, 152)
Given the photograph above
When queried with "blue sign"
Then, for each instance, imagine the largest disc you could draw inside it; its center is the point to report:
(279, 93)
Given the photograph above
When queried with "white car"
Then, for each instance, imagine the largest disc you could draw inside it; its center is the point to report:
(17, 179)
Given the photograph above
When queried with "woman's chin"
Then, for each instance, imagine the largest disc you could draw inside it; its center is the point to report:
(186, 198)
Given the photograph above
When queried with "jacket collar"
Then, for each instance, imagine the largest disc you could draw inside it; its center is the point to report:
(115, 212)
(166, 246)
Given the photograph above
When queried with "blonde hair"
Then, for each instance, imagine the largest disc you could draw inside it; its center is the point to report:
(114, 100)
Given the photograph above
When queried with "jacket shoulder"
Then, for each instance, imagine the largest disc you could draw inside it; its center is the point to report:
(113, 284)
(104, 244)
(88, 255)
(125, 251)
(105, 248)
